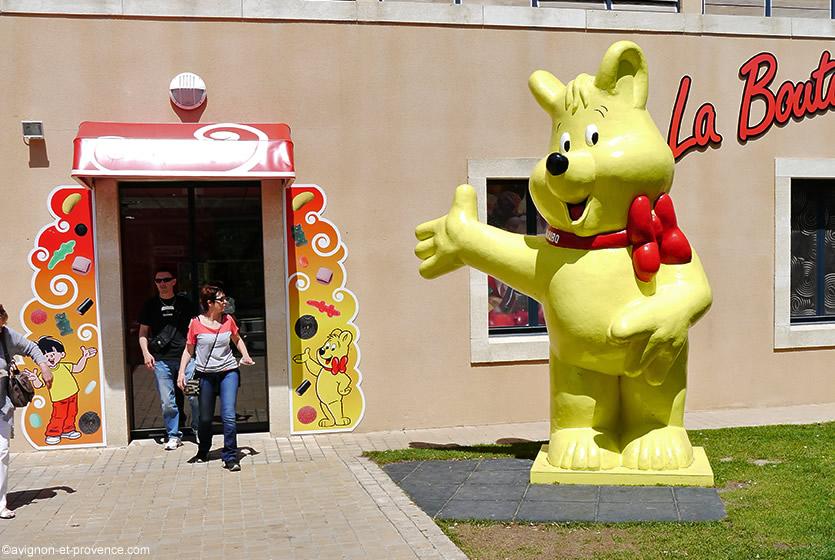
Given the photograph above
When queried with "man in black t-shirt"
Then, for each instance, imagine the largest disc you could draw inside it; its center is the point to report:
(163, 324)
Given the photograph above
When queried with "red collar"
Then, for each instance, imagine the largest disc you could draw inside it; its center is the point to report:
(652, 233)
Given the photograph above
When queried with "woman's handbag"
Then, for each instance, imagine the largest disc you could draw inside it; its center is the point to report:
(21, 391)
(192, 388)
(193, 385)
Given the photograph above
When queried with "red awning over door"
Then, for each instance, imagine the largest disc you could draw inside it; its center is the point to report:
(182, 150)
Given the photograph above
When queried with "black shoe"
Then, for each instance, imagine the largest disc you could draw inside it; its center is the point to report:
(233, 466)
(199, 458)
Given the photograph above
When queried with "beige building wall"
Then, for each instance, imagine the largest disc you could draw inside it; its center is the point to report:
(385, 118)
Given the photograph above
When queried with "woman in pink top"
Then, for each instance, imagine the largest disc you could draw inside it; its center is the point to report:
(211, 336)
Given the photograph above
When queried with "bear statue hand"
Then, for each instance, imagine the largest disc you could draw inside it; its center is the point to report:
(302, 358)
(657, 336)
(442, 240)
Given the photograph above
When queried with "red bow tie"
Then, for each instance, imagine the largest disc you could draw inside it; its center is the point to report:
(653, 234)
(339, 365)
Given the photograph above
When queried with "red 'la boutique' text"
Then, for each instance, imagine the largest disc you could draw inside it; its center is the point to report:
(790, 100)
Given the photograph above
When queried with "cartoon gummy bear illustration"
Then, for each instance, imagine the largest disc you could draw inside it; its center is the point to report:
(329, 367)
(64, 390)
(618, 280)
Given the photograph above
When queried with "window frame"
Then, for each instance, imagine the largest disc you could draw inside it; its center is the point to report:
(787, 334)
(522, 347)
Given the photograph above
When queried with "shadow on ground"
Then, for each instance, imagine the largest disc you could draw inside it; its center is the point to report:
(511, 447)
(25, 497)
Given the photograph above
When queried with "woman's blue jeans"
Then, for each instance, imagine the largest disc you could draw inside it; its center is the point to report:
(225, 385)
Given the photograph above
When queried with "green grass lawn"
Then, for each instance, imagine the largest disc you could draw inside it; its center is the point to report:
(777, 482)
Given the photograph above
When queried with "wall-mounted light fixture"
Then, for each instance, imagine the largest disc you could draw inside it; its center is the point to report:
(187, 91)
(32, 130)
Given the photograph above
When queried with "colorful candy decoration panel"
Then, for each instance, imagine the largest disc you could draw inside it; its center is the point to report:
(325, 392)
(62, 319)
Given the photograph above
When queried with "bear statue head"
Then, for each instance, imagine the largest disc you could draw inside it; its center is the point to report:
(605, 148)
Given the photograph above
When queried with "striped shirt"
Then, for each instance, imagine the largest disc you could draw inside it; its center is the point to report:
(213, 347)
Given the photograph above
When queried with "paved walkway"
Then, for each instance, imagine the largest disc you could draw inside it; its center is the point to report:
(299, 497)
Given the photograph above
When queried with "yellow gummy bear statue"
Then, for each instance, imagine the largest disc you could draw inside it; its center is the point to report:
(618, 281)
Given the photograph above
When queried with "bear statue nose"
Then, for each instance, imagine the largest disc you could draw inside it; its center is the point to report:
(321, 351)
(556, 164)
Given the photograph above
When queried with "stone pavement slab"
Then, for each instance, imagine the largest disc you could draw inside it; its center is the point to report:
(499, 490)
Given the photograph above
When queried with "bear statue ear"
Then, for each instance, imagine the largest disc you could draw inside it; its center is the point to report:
(623, 70)
(546, 88)
(345, 337)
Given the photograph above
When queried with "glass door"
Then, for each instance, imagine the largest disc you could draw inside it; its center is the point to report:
(204, 231)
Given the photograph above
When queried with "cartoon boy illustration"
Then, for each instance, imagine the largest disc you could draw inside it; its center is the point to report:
(64, 390)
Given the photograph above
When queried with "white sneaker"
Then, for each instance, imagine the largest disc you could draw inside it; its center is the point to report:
(172, 444)
(71, 435)
(53, 440)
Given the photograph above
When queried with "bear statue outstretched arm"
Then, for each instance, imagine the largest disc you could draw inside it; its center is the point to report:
(457, 239)
(656, 324)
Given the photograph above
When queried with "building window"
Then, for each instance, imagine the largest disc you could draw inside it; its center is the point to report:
(501, 186)
(812, 250)
(804, 253)
(509, 207)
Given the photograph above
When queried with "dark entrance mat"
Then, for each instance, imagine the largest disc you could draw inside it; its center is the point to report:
(498, 490)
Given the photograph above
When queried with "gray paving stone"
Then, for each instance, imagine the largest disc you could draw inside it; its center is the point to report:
(492, 492)
(505, 465)
(635, 494)
(450, 477)
(696, 495)
(702, 511)
(564, 492)
(512, 477)
(556, 511)
(467, 509)
(431, 505)
(422, 489)
(397, 471)
(447, 466)
(616, 512)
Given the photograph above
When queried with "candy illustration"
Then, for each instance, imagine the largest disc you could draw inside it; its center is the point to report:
(303, 387)
(301, 199)
(89, 423)
(303, 262)
(306, 414)
(38, 316)
(324, 307)
(70, 202)
(63, 324)
(85, 306)
(306, 327)
(298, 235)
(62, 253)
(81, 265)
(324, 275)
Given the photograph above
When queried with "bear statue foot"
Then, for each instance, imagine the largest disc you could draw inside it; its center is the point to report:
(582, 449)
(665, 448)
(326, 423)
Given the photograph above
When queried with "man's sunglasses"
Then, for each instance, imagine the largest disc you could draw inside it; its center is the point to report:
(161, 280)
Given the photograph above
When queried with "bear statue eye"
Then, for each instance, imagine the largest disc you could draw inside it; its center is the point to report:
(565, 142)
(592, 136)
